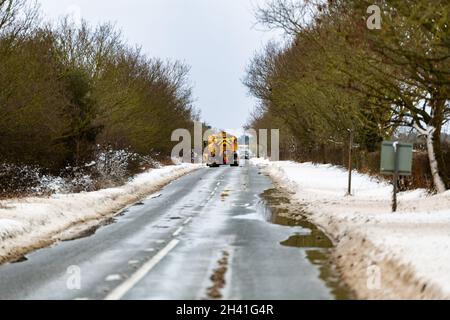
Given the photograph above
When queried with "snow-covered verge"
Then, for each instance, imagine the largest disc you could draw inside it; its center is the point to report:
(403, 255)
(108, 168)
(31, 223)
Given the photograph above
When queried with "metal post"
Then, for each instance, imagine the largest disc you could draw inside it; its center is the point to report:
(350, 163)
(395, 178)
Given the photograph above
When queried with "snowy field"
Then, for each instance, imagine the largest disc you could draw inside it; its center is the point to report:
(30, 223)
(382, 254)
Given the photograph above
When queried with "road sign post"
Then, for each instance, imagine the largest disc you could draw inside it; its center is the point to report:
(395, 177)
(350, 163)
(396, 160)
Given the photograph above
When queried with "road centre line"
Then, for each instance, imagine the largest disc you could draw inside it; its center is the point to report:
(177, 232)
(127, 285)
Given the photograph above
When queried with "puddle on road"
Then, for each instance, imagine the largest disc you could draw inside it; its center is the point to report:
(279, 210)
(313, 240)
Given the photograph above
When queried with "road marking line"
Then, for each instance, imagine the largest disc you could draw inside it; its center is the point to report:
(127, 285)
(187, 220)
(177, 232)
(113, 277)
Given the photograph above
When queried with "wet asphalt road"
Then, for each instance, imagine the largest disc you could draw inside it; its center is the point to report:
(169, 246)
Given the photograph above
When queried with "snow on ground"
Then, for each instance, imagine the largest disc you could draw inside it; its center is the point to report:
(411, 247)
(23, 221)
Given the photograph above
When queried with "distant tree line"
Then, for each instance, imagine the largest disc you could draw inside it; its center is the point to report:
(67, 89)
(335, 76)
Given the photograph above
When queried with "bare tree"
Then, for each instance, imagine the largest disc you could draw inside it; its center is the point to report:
(17, 17)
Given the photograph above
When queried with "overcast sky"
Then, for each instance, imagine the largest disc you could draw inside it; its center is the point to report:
(217, 38)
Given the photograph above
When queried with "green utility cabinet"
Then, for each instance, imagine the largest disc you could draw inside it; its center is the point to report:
(404, 157)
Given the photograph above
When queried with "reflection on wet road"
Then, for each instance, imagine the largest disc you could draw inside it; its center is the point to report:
(318, 246)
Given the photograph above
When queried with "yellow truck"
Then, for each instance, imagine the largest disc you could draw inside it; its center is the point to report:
(221, 149)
